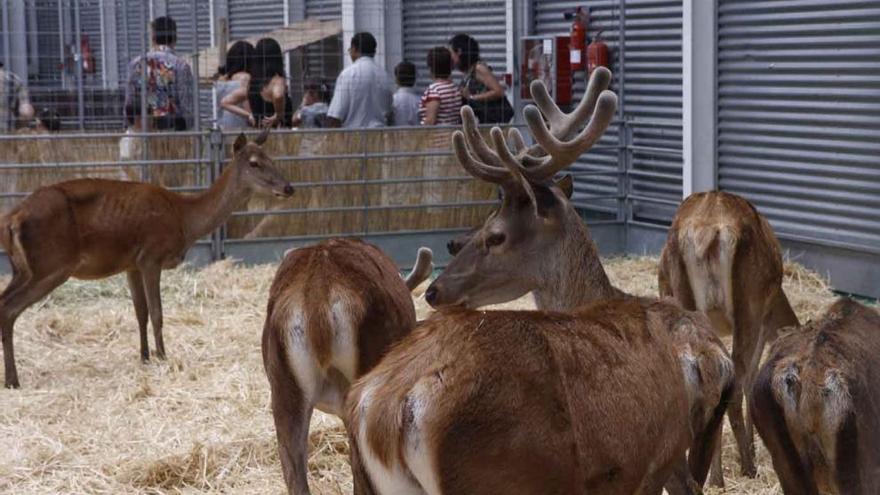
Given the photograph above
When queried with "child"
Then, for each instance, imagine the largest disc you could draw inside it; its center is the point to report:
(313, 108)
(405, 105)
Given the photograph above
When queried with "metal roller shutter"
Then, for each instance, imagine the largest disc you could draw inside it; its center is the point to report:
(182, 13)
(49, 29)
(254, 17)
(130, 25)
(652, 106)
(325, 10)
(596, 173)
(324, 59)
(798, 113)
(429, 23)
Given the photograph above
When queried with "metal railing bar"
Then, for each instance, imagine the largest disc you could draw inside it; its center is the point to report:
(127, 163)
(653, 175)
(655, 150)
(340, 209)
(646, 199)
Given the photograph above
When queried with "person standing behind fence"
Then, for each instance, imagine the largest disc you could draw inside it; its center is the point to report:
(441, 102)
(312, 111)
(363, 91)
(232, 88)
(169, 88)
(14, 101)
(267, 91)
(480, 88)
(405, 104)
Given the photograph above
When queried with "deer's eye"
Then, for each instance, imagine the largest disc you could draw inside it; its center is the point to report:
(495, 239)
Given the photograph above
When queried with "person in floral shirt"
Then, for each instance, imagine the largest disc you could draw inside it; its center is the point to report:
(169, 84)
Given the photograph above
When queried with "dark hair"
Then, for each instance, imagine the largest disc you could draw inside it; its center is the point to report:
(468, 51)
(405, 73)
(132, 113)
(440, 62)
(164, 30)
(239, 58)
(268, 62)
(50, 119)
(319, 87)
(365, 43)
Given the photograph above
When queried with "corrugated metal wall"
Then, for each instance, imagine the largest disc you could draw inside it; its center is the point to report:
(799, 115)
(324, 10)
(182, 13)
(130, 26)
(429, 23)
(652, 106)
(254, 17)
(323, 60)
(597, 172)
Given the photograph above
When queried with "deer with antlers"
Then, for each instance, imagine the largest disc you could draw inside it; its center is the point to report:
(334, 310)
(537, 242)
(93, 229)
(816, 403)
(722, 258)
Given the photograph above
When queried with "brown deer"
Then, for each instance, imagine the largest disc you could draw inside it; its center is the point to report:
(816, 403)
(722, 258)
(527, 402)
(93, 228)
(334, 309)
(537, 242)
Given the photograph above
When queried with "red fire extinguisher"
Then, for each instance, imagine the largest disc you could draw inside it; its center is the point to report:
(88, 59)
(597, 54)
(578, 41)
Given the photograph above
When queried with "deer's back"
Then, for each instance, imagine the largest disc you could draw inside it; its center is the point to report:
(343, 290)
(552, 403)
(106, 224)
(825, 380)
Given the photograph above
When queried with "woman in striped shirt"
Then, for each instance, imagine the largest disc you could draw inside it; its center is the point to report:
(441, 102)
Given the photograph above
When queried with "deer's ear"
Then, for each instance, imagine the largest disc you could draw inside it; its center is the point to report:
(240, 143)
(566, 184)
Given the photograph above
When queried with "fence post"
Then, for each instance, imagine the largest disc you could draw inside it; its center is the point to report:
(215, 147)
(77, 59)
(366, 195)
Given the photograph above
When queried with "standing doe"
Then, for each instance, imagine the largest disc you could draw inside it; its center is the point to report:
(816, 404)
(95, 228)
(334, 310)
(722, 258)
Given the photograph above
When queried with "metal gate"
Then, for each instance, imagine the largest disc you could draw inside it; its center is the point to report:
(429, 23)
(798, 113)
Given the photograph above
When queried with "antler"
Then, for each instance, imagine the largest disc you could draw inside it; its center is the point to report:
(556, 149)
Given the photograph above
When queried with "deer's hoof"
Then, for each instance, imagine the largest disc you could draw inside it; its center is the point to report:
(13, 384)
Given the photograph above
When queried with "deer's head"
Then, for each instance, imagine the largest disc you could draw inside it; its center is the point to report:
(256, 169)
(509, 255)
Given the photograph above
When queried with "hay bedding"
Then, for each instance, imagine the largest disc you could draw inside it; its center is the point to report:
(93, 419)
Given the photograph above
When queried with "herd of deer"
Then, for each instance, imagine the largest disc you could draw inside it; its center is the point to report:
(597, 392)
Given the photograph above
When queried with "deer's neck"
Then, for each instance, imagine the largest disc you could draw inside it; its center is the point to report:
(202, 213)
(575, 276)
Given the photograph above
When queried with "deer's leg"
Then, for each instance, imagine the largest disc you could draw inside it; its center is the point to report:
(793, 472)
(152, 277)
(292, 413)
(139, 298)
(745, 342)
(18, 296)
(716, 474)
(681, 482)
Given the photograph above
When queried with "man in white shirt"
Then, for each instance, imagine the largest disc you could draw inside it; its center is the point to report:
(362, 97)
